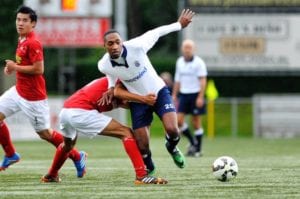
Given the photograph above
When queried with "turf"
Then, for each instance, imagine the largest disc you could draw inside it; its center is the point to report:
(267, 169)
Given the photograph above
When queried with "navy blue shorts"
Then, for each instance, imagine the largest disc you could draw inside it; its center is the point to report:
(142, 114)
(187, 104)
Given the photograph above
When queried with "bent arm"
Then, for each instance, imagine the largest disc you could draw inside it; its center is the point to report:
(121, 93)
(37, 68)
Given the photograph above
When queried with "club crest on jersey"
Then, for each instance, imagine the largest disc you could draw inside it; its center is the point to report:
(137, 64)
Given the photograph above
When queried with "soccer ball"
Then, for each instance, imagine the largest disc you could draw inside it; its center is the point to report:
(224, 168)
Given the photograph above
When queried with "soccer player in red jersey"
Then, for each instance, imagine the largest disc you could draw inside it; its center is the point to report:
(82, 113)
(29, 94)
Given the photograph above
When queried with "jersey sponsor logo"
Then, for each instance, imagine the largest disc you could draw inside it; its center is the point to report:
(137, 77)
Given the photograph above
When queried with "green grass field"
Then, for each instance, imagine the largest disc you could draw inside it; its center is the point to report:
(267, 169)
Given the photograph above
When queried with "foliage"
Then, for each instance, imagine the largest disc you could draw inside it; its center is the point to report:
(8, 34)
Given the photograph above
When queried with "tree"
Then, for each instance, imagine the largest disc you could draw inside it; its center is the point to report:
(8, 33)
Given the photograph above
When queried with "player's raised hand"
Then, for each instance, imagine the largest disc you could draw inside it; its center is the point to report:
(150, 99)
(185, 17)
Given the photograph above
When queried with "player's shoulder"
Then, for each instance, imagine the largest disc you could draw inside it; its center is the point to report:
(133, 44)
(34, 43)
(180, 60)
(104, 61)
(199, 60)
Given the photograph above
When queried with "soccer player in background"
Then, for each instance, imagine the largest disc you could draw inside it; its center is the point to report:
(82, 113)
(129, 63)
(190, 83)
(29, 94)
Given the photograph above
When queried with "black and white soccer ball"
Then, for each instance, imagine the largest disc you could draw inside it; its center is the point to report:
(225, 168)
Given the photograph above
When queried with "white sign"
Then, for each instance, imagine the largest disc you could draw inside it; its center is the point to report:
(83, 8)
(247, 41)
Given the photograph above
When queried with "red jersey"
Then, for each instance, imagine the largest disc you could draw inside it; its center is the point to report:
(29, 51)
(88, 96)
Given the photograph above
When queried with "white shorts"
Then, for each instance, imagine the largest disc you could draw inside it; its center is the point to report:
(36, 111)
(87, 122)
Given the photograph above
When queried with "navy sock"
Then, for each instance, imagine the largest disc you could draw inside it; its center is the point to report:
(199, 142)
(188, 135)
(171, 143)
(148, 161)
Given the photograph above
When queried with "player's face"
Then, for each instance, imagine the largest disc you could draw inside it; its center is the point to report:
(187, 51)
(113, 45)
(24, 24)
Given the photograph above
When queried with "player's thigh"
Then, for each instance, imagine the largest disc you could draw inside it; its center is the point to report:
(87, 122)
(68, 131)
(141, 115)
(116, 129)
(9, 103)
(164, 104)
(37, 113)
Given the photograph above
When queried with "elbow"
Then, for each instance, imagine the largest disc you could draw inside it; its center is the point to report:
(38, 72)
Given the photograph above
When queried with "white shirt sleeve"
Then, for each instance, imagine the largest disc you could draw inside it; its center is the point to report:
(148, 39)
(111, 81)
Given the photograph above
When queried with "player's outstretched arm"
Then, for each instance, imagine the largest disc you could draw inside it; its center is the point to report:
(185, 17)
(148, 39)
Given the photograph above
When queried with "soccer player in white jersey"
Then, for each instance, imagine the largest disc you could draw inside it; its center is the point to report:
(129, 63)
(190, 83)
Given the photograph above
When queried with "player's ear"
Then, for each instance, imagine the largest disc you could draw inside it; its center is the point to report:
(33, 23)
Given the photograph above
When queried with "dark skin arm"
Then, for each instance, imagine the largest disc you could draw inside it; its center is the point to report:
(121, 93)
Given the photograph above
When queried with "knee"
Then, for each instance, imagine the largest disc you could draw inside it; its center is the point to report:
(172, 130)
(125, 132)
(45, 135)
(68, 144)
(68, 147)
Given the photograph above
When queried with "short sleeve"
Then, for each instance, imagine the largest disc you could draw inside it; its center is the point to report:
(35, 52)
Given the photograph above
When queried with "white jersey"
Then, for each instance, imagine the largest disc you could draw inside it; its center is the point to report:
(187, 74)
(139, 76)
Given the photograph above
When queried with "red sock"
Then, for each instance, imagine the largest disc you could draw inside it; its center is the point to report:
(58, 160)
(5, 140)
(57, 139)
(135, 156)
